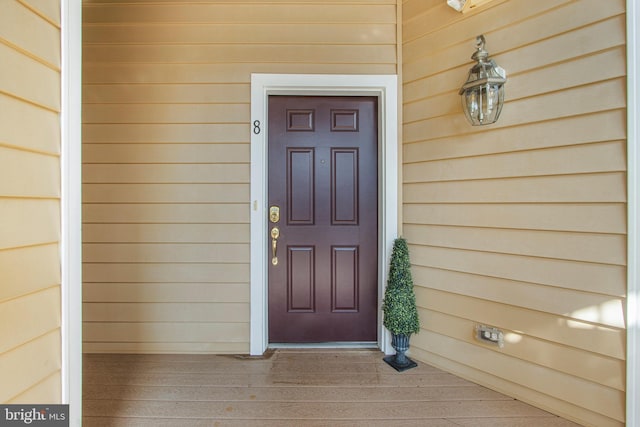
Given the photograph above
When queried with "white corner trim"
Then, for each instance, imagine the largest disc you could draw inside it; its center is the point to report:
(633, 219)
(71, 207)
(262, 85)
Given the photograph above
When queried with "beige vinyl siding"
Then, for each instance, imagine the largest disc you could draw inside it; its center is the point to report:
(521, 225)
(166, 128)
(30, 311)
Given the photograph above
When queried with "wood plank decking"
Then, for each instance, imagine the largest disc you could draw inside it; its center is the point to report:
(290, 388)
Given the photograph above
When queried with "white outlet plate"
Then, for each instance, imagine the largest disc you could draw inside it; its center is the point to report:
(490, 335)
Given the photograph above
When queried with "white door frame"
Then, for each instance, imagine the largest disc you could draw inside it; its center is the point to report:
(262, 85)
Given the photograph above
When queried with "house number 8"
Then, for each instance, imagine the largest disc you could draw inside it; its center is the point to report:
(256, 127)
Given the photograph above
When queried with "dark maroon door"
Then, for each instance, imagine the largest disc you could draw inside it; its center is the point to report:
(323, 177)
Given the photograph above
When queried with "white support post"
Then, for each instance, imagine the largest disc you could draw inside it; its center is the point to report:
(70, 207)
(633, 219)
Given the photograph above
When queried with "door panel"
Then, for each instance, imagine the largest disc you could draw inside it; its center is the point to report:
(300, 186)
(323, 174)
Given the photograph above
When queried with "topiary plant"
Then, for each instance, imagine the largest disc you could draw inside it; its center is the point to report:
(399, 304)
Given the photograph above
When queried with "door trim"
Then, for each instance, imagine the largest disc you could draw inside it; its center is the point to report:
(262, 85)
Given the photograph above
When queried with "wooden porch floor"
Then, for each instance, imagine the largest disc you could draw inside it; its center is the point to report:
(290, 388)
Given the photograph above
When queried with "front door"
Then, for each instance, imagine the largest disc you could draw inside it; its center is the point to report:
(323, 225)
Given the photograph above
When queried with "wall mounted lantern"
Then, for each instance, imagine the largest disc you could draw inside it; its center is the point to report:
(483, 92)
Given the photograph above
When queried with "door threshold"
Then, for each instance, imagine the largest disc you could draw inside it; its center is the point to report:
(339, 345)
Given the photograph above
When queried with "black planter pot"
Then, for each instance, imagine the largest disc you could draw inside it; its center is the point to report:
(399, 361)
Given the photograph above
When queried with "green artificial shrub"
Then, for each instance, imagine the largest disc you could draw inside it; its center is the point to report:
(399, 304)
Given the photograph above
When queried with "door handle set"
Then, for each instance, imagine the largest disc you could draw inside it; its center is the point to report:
(275, 233)
(274, 217)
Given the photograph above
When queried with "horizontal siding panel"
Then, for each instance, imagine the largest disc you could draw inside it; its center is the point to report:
(419, 18)
(45, 137)
(173, 94)
(168, 252)
(607, 95)
(18, 276)
(30, 302)
(28, 222)
(596, 339)
(553, 133)
(26, 366)
(216, 73)
(581, 276)
(257, 33)
(582, 41)
(582, 305)
(601, 96)
(27, 174)
(586, 247)
(444, 86)
(44, 83)
(166, 332)
(539, 54)
(604, 218)
(586, 188)
(166, 233)
(166, 292)
(166, 144)
(412, 9)
(166, 153)
(42, 40)
(167, 312)
(441, 104)
(229, 53)
(206, 347)
(165, 174)
(25, 318)
(183, 113)
(245, 13)
(442, 25)
(517, 391)
(603, 400)
(584, 70)
(548, 265)
(47, 390)
(166, 133)
(49, 10)
(568, 72)
(165, 193)
(579, 72)
(580, 364)
(579, 159)
(185, 213)
(166, 272)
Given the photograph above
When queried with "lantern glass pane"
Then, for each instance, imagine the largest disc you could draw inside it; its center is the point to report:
(482, 104)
